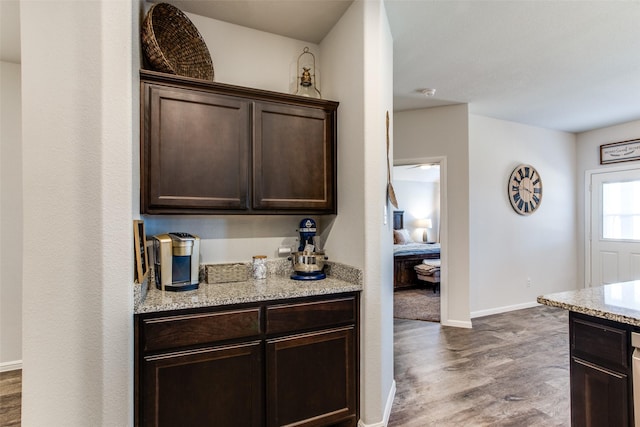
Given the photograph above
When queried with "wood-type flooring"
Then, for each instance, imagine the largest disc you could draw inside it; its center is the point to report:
(10, 398)
(510, 369)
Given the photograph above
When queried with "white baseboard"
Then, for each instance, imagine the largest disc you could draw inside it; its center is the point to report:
(457, 323)
(10, 366)
(387, 409)
(504, 309)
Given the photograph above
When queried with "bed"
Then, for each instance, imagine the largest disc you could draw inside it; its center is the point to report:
(408, 254)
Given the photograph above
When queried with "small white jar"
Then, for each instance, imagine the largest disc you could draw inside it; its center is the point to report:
(259, 267)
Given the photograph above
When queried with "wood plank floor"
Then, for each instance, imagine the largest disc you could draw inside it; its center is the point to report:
(10, 398)
(511, 369)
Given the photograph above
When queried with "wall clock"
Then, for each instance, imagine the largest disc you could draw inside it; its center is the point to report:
(525, 189)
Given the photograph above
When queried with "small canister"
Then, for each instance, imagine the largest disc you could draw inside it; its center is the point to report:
(259, 267)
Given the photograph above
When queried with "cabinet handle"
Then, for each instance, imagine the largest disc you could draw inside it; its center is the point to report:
(599, 368)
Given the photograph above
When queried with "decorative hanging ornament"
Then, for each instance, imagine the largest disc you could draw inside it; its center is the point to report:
(307, 74)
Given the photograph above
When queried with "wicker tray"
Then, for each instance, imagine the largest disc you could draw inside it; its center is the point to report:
(172, 44)
(223, 273)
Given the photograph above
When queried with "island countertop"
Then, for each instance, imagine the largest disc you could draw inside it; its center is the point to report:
(619, 302)
(274, 287)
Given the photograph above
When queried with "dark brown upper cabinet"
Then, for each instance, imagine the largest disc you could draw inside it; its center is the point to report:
(195, 150)
(221, 149)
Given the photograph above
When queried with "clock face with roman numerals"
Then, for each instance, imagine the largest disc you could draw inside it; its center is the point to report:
(525, 189)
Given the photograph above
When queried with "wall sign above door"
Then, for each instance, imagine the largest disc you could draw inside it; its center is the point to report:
(616, 152)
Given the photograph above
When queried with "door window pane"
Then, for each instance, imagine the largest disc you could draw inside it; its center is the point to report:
(621, 210)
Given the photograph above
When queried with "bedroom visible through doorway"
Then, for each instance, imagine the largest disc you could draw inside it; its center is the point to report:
(416, 223)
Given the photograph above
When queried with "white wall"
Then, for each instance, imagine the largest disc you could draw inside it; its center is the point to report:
(444, 132)
(507, 248)
(78, 94)
(419, 200)
(342, 53)
(264, 61)
(498, 246)
(378, 382)
(357, 56)
(10, 217)
(588, 158)
(246, 57)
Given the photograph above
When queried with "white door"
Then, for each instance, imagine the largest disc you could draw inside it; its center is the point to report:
(615, 226)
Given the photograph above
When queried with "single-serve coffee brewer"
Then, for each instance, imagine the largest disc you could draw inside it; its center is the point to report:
(308, 261)
(177, 261)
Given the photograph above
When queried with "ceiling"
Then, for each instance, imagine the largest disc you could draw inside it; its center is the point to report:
(307, 20)
(417, 173)
(564, 65)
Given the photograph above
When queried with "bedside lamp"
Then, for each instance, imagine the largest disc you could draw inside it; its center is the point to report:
(424, 224)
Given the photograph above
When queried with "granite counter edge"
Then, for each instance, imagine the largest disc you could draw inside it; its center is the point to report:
(351, 279)
(590, 311)
(256, 298)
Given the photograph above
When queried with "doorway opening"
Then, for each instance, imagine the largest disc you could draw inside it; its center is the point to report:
(417, 260)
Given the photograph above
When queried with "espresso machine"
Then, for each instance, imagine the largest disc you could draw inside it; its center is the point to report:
(308, 261)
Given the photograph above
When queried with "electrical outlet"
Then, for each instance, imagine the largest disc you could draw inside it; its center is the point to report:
(528, 282)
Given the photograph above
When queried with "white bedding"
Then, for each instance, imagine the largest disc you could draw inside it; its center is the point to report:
(416, 249)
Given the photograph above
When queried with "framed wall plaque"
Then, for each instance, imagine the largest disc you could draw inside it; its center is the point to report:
(140, 250)
(616, 152)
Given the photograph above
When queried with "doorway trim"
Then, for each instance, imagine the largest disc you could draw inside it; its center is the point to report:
(588, 175)
(444, 238)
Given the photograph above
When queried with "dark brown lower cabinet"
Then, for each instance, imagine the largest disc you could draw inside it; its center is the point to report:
(310, 378)
(292, 362)
(202, 387)
(601, 388)
(598, 395)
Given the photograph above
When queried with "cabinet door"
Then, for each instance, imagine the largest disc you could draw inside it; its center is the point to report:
(293, 158)
(219, 386)
(311, 379)
(195, 155)
(598, 396)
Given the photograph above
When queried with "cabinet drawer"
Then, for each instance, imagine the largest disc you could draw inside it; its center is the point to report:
(194, 329)
(600, 343)
(301, 316)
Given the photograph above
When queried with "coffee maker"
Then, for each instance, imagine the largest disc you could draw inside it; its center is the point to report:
(308, 261)
(177, 261)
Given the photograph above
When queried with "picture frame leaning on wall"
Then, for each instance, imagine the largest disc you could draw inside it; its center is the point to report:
(141, 267)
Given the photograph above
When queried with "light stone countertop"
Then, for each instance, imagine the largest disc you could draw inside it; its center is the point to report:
(619, 302)
(274, 287)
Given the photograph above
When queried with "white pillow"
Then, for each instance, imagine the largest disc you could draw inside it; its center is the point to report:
(401, 237)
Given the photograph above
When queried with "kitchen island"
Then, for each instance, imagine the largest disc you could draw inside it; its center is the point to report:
(267, 352)
(602, 321)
